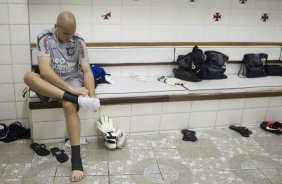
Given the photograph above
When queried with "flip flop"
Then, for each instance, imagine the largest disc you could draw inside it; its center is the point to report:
(40, 149)
(242, 130)
(189, 135)
(59, 154)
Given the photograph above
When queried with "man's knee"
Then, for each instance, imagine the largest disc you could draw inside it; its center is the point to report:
(69, 107)
(29, 78)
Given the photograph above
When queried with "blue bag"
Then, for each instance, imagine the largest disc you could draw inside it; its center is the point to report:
(97, 71)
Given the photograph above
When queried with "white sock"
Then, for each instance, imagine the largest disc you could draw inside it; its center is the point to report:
(88, 103)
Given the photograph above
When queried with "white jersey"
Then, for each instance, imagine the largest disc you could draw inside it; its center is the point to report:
(65, 57)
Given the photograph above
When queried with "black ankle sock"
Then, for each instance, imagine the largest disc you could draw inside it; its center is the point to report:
(70, 97)
(76, 163)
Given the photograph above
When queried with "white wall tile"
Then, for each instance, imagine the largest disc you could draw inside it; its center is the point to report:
(136, 3)
(241, 17)
(44, 2)
(82, 13)
(86, 114)
(106, 33)
(4, 34)
(115, 110)
(278, 34)
(107, 2)
(25, 122)
(271, 4)
(204, 105)
(3, 1)
(5, 54)
(146, 108)
(19, 71)
(214, 33)
(4, 14)
(85, 30)
(135, 33)
(191, 33)
(18, 13)
(19, 34)
(253, 116)
(226, 118)
(202, 119)
(36, 29)
(274, 114)
(115, 71)
(174, 121)
(22, 110)
(218, 4)
(46, 130)
(163, 33)
(240, 34)
(195, 16)
(275, 101)
(20, 54)
(75, 2)
(169, 3)
(147, 123)
(18, 1)
(8, 110)
(259, 21)
(176, 107)
(262, 34)
(6, 74)
(7, 93)
(257, 102)
(89, 128)
(231, 104)
(164, 15)
(136, 15)
(19, 87)
(43, 14)
(122, 123)
(54, 114)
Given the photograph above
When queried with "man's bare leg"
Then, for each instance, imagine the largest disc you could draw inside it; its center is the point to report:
(73, 129)
(41, 86)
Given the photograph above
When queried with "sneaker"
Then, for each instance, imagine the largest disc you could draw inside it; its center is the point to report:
(89, 103)
(121, 138)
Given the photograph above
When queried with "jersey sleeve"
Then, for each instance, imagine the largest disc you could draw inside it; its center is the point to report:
(83, 53)
(42, 45)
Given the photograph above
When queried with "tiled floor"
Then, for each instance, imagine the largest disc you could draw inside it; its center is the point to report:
(220, 156)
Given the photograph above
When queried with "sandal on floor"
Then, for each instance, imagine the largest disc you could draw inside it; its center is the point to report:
(242, 130)
(59, 154)
(40, 149)
(189, 135)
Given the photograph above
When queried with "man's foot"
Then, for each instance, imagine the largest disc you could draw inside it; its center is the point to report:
(89, 103)
(76, 176)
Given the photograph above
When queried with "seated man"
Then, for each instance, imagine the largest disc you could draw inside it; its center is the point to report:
(65, 74)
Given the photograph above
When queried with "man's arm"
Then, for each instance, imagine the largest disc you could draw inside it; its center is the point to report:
(51, 76)
(88, 78)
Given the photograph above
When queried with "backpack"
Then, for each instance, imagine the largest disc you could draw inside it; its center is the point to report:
(189, 65)
(97, 71)
(214, 66)
(253, 65)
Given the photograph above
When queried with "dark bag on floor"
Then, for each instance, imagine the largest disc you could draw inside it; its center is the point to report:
(214, 66)
(253, 65)
(183, 74)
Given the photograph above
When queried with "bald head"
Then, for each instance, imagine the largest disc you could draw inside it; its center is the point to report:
(66, 20)
(66, 24)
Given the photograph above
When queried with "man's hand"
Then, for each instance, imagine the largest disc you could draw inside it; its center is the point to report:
(79, 91)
